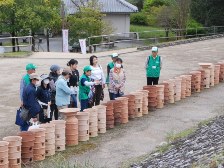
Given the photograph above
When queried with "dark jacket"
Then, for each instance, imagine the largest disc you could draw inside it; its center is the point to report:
(44, 95)
(53, 79)
(30, 100)
(74, 79)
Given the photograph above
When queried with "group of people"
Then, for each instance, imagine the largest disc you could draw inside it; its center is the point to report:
(43, 96)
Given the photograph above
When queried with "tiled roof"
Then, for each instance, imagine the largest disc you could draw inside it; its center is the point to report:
(107, 6)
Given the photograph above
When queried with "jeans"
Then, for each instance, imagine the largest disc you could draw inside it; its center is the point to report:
(25, 126)
(84, 104)
(74, 98)
(114, 96)
(152, 80)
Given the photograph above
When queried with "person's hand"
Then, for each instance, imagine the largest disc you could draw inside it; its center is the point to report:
(103, 86)
(49, 103)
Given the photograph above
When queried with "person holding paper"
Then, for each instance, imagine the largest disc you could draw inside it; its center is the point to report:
(44, 98)
(153, 67)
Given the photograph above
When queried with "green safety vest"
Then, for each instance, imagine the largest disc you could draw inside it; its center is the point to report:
(84, 90)
(153, 68)
(111, 65)
(26, 79)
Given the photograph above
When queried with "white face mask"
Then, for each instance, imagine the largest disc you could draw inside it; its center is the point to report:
(118, 65)
(46, 81)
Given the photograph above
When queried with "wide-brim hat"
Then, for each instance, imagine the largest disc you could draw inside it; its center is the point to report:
(34, 76)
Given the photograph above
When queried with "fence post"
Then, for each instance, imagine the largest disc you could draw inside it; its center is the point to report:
(196, 32)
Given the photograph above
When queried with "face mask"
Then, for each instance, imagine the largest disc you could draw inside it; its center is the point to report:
(46, 81)
(118, 65)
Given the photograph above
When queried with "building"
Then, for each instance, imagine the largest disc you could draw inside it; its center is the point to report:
(117, 13)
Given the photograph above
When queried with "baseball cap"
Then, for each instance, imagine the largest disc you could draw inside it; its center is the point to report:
(44, 76)
(114, 55)
(31, 66)
(54, 68)
(154, 49)
(87, 68)
(34, 76)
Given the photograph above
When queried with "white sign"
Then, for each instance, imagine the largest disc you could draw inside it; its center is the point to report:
(65, 40)
(82, 43)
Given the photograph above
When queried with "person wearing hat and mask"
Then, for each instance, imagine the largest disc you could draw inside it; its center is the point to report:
(53, 75)
(153, 67)
(44, 98)
(63, 92)
(30, 68)
(30, 100)
(84, 87)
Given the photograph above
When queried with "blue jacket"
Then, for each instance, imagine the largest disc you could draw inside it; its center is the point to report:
(30, 100)
(44, 95)
(63, 92)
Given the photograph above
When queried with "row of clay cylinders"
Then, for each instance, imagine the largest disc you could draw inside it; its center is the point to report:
(102, 121)
(166, 92)
(160, 96)
(39, 144)
(178, 81)
(131, 105)
(195, 81)
(59, 134)
(221, 74)
(202, 78)
(83, 126)
(217, 72)
(124, 109)
(117, 111)
(152, 96)
(93, 122)
(138, 103)
(49, 138)
(145, 103)
(207, 68)
(110, 115)
(14, 151)
(4, 155)
(28, 138)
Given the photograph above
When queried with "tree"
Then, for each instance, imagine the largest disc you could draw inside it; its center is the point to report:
(23, 16)
(138, 3)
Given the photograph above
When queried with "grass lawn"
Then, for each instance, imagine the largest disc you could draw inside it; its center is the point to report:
(16, 54)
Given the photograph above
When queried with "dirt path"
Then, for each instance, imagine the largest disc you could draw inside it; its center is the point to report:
(139, 136)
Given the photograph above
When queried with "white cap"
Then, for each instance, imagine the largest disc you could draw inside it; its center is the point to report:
(114, 55)
(44, 76)
(154, 49)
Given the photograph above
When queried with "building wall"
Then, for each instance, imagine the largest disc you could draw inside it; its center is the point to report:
(120, 22)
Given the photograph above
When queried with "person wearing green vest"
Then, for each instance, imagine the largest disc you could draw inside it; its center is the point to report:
(30, 68)
(153, 67)
(84, 87)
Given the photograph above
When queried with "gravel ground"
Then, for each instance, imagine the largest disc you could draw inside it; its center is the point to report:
(206, 142)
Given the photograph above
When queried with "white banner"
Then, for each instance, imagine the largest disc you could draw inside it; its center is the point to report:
(65, 40)
(82, 43)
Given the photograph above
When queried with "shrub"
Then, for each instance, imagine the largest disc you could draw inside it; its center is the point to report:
(192, 25)
(138, 18)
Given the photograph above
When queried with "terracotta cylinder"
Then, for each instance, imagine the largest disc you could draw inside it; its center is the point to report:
(59, 133)
(28, 138)
(124, 109)
(93, 122)
(170, 94)
(160, 96)
(39, 144)
(166, 92)
(49, 138)
(109, 114)
(83, 126)
(117, 111)
(177, 90)
(152, 96)
(217, 72)
(4, 154)
(138, 103)
(131, 106)
(221, 74)
(144, 101)
(209, 75)
(101, 110)
(202, 78)
(195, 81)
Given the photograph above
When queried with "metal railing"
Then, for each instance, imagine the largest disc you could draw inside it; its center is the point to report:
(137, 39)
(24, 43)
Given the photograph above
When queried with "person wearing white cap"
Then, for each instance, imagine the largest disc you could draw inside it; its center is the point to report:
(44, 97)
(153, 67)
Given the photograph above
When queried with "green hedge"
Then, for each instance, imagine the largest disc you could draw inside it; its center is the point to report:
(138, 18)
